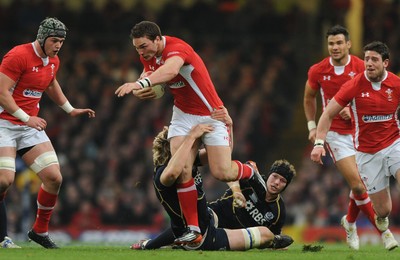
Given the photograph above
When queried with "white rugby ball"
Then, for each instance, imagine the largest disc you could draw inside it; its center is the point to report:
(159, 90)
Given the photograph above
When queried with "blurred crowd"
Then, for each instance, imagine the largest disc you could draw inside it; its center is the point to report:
(250, 51)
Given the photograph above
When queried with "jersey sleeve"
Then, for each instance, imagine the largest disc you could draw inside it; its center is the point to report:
(346, 93)
(12, 65)
(312, 78)
(179, 50)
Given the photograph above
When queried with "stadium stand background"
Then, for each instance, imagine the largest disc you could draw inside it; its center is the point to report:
(257, 52)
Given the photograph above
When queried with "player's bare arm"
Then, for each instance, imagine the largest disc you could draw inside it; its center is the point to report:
(325, 121)
(56, 94)
(163, 74)
(239, 200)
(177, 162)
(310, 109)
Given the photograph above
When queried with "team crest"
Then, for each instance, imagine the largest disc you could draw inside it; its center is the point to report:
(352, 74)
(389, 94)
(269, 216)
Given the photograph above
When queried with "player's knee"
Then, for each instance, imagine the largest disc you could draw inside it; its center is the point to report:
(54, 179)
(358, 189)
(5, 182)
(7, 167)
(266, 236)
(382, 210)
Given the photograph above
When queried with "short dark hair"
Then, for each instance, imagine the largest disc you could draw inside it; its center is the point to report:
(379, 47)
(338, 29)
(145, 29)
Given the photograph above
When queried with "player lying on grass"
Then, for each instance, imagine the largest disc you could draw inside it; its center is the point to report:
(213, 238)
(253, 202)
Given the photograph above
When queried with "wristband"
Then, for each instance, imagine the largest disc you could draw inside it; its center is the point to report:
(21, 115)
(319, 143)
(144, 82)
(67, 107)
(311, 125)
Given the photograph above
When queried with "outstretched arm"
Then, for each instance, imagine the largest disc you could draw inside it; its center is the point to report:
(56, 94)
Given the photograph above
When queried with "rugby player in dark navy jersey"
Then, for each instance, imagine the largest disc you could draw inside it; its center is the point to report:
(213, 238)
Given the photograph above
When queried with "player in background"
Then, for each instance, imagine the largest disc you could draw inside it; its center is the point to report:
(26, 72)
(327, 77)
(374, 96)
(172, 61)
(212, 238)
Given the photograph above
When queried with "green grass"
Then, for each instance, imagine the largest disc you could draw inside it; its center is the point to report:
(78, 251)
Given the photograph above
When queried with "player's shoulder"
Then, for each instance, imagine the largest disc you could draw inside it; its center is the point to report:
(176, 44)
(321, 65)
(393, 77)
(21, 49)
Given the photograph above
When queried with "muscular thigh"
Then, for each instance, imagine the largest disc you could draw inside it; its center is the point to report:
(348, 168)
(42, 159)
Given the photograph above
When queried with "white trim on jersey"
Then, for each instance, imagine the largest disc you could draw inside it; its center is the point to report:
(185, 72)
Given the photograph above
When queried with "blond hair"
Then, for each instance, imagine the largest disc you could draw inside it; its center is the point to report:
(161, 148)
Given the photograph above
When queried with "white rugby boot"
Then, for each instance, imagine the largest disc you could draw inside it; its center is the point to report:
(351, 234)
(389, 241)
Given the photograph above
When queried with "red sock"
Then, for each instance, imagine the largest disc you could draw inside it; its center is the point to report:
(244, 171)
(46, 203)
(352, 211)
(187, 195)
(365, 205)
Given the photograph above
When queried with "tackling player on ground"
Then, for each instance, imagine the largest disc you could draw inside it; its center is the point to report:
(212, 238)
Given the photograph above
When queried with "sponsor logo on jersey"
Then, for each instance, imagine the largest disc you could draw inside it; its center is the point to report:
(35, 69)
(179, 84)
(254, 213)
(327, 77)
(32, 93)
(365, 94)
(376, 118)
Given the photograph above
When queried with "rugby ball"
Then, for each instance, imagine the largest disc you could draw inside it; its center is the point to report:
(159, 90)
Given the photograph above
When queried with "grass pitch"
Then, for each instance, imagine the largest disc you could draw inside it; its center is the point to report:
(78, 251)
